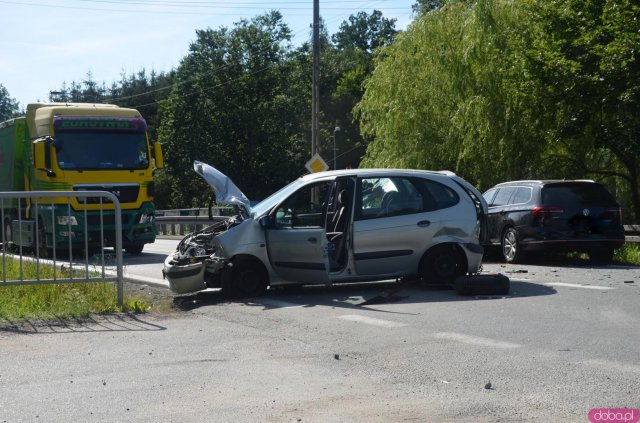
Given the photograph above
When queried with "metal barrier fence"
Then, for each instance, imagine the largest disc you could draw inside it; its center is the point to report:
(17, 210)
(184, 221)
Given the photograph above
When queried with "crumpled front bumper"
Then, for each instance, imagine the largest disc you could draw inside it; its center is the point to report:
(184, 278)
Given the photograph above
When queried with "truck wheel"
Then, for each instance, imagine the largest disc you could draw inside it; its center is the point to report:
(134, 248)
(43, 246)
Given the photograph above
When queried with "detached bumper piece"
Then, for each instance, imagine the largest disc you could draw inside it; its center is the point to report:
(487, 284)
(184, 278)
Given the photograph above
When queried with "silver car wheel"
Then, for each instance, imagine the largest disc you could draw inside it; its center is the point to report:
(510, 248)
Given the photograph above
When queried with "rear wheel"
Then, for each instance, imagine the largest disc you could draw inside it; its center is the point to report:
(442, 265)
(601, 256)
(511, 251)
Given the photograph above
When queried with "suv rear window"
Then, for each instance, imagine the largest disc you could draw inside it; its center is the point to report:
(587, 194)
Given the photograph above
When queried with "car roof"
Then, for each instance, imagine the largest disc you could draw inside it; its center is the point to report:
(529, 182)
(376, 172)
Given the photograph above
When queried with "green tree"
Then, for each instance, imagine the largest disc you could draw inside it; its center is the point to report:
(236, 107)
(365, 32)
(448, 94)
(9, 107)
(586, 55)
(345, 65)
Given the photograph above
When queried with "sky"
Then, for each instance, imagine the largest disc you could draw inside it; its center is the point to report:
(44, 43)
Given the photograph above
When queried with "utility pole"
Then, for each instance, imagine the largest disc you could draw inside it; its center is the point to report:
(315, 90)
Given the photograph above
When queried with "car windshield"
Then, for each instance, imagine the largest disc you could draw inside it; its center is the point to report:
(268, 203)
(93, 150)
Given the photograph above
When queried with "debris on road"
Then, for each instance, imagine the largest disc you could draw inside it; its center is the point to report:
(488, 386)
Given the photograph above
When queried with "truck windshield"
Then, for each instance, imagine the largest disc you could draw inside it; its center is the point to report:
(98, 150)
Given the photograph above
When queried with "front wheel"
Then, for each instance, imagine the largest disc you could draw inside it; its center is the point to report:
(245, 279)
(511, 250)
(442, 265)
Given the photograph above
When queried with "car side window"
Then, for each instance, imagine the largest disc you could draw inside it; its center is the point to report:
(386, 197)
(441, 196)
(305, 208)
(488, 196)
(503, 195)
(521, 196)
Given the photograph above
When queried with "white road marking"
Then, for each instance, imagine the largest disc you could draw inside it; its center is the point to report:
(371, 321)
(575, 285)
(474, 340)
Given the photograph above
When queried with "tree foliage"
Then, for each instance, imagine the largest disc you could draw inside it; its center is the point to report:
(445, 96)
(9, 106)
(498, 90)
(236, 106)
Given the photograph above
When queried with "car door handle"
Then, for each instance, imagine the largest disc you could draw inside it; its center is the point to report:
(312, 240)
(424, 223)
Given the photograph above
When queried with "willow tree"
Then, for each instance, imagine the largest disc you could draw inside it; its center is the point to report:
(450, 93)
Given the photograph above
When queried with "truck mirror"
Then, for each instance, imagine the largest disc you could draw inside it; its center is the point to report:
(42, 156)
(38, 153)
(157, 155)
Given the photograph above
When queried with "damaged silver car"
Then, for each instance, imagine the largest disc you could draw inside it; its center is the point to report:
(333, 227)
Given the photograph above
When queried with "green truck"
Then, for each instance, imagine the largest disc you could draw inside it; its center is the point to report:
(78, 147)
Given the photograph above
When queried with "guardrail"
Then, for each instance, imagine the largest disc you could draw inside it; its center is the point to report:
(632, 233)
(185, 221)
(15, 214)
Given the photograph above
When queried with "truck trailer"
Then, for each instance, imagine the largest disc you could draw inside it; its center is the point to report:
(78, 147)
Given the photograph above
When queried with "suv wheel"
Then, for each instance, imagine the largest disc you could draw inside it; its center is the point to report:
(601, 256)
(511, 247)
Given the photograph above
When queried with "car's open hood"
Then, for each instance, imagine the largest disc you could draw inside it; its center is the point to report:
(226, 191)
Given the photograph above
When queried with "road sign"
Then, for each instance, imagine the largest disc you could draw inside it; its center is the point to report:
(316, 164)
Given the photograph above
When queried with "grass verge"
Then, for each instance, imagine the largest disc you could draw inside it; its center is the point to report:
(59, 301)
(629, 253)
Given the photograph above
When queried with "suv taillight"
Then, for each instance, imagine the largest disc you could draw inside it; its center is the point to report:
(613, 213)
(547, 212)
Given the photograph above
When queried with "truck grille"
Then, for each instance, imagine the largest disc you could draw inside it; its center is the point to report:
(126, 193)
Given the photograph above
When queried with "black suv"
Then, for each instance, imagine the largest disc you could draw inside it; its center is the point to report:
(553, 216)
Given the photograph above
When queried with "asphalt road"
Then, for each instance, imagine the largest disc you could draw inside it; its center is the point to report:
(565, 341)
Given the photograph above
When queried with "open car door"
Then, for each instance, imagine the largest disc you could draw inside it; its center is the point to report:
(296, 238)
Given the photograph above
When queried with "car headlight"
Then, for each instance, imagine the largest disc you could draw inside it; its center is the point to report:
(145, 218)
(67, 220)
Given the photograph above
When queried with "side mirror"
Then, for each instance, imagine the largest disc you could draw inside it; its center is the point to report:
(42, 156)
(157, 155)
(265, 222)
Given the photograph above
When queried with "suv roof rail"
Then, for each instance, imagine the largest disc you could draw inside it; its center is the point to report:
(534, 181)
